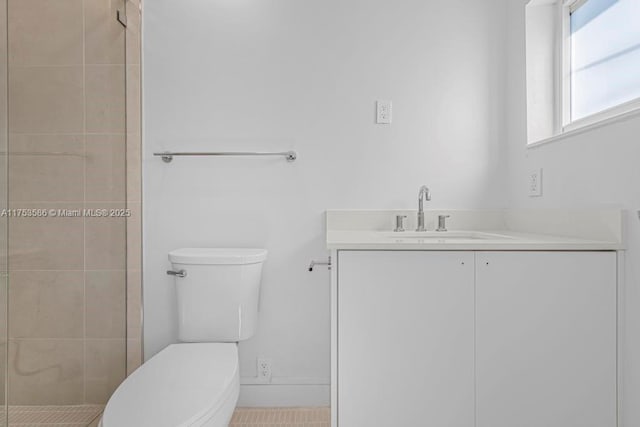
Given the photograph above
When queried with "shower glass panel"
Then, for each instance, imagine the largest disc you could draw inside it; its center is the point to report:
(64, 184)
(3, 207)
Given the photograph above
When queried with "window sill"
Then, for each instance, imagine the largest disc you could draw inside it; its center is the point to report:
(586, 128)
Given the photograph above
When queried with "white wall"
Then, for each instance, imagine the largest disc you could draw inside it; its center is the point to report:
(304, 75)
(594, 169)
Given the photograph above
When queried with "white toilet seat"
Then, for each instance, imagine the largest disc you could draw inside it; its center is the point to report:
(185, 385)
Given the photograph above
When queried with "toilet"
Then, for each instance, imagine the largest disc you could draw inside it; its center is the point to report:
(196, 382)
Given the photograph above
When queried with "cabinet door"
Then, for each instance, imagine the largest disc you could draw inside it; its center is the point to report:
(405, 339)
(546, 339)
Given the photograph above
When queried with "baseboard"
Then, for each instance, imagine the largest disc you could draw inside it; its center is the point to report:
(284, 395)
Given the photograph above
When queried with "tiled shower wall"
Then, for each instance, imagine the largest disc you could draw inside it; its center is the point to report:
(73, 144)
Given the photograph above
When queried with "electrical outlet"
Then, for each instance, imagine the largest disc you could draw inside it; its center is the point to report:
(535, 183)
(264, 370)
(383, 112)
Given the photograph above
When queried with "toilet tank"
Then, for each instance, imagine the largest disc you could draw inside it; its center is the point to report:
(218, 296)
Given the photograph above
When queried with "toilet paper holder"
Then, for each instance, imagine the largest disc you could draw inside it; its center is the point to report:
(314, 263)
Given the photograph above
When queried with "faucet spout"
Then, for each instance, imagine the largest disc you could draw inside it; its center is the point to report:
(424, 194)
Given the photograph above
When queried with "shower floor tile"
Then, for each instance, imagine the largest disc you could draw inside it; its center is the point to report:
(53, 416)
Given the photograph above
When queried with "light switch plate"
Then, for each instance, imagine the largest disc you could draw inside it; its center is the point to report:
(535, 183)
(383, 112)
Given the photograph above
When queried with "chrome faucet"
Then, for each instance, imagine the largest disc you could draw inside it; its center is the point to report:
(424, 194)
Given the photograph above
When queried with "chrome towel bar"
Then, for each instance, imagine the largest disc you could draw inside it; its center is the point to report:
(167, 156)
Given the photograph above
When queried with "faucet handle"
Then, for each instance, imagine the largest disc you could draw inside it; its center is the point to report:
(400, 223)
(442, 222)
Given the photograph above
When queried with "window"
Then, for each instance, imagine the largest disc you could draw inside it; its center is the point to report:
(583, 63)
(604, 55)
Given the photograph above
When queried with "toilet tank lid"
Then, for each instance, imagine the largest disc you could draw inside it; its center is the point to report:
(221, 256)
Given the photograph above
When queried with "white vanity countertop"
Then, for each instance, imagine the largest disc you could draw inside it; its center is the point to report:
(507, 240)
(479, 230)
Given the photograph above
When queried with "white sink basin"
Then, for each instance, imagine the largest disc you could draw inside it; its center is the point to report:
(444, 235)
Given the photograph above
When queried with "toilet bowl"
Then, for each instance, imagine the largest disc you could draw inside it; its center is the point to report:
(195, 383)
(185, 385)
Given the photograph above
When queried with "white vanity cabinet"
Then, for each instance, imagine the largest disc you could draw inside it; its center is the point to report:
(546, 339)
(464, 339)
(405, 339)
